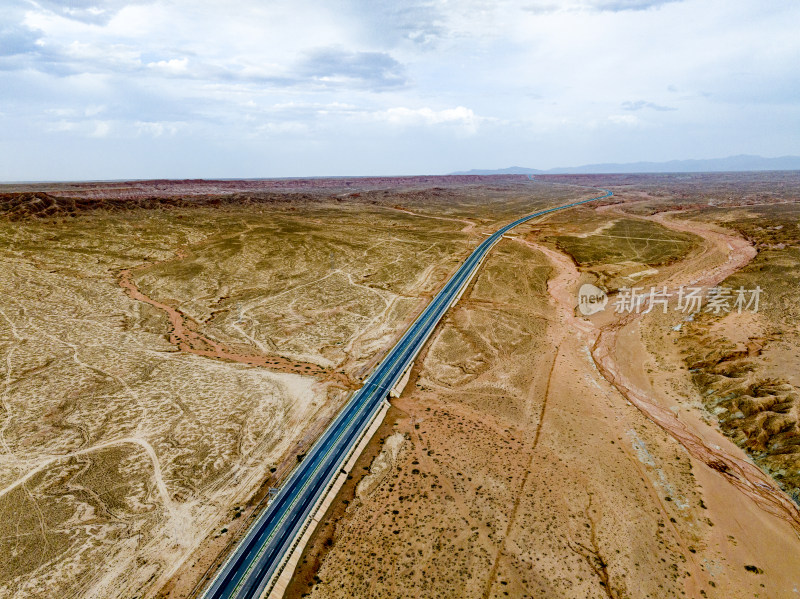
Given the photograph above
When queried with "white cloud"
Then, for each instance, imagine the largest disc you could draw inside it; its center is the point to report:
(460, 116)
(283, 128)
(94, 110)
(173, 66)
(156, 129)
(624, 119)
(100, 129)
(595, 5)
(532, 82)
(61, 126)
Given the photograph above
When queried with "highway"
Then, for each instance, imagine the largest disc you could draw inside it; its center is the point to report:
(256, 561)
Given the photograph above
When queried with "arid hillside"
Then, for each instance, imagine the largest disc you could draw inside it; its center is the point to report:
(165, 359)
(540, 453)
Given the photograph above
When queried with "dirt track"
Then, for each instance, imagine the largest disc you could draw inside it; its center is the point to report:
(185, 336)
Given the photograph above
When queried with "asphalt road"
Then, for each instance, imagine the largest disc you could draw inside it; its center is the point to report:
(249, 569)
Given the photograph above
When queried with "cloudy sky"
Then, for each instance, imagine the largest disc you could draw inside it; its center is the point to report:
(105, 89)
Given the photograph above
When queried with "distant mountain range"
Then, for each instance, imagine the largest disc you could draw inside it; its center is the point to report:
(743, 162)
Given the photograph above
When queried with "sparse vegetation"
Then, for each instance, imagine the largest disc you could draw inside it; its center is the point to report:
(628, 240)
(126, 435)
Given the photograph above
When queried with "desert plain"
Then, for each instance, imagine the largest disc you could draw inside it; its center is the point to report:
(169, 350)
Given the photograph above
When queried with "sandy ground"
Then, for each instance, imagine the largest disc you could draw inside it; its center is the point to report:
(143, 418)
(593, 473)
(150, 396)
(186, 336)
(164, 359)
